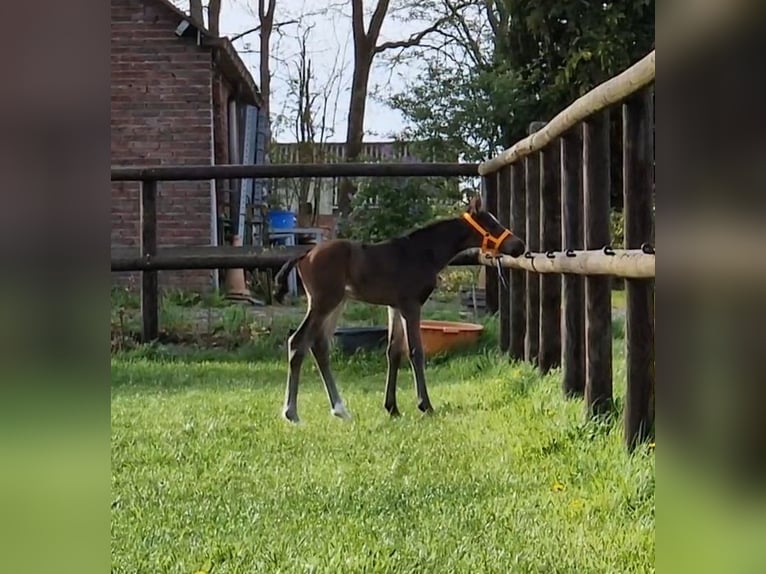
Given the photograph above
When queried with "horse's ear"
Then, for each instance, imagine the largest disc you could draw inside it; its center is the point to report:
(474, 206)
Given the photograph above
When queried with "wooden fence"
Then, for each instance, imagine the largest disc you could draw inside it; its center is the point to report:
(148, 260)
(553, 187)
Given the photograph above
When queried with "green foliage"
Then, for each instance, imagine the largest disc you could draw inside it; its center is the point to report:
(617, 222)
(525, 63)
(182, 298)
(388, 207)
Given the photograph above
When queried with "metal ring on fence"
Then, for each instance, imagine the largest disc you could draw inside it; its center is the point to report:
(550, 254)
(571, 253)
(528, 255)
(608, 250)
(647, 248)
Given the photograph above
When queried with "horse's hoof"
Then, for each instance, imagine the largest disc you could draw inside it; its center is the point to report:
(426, 408)
(340, 411)
(393, 412)
(291, 416)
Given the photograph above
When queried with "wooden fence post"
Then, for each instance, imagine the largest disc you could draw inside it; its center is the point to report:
(573, 299)
(504, 217)
(518, 277)
(598, 312)
(490, 204)
(550, 240)
(639, 328)
(532, 238)
(149, 284)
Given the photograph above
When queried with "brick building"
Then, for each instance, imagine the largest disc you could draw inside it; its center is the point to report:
(179, 96)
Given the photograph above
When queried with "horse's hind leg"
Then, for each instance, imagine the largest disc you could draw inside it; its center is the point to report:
(320, 349)
(394, 356)
(411, 314)
(297, 345)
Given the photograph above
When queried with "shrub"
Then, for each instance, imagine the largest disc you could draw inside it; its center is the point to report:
(387, 207)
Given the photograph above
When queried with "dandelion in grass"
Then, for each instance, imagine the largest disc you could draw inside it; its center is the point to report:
(577, 504)
(557, 487)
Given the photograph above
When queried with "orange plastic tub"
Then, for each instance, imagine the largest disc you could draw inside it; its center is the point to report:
(442, 336)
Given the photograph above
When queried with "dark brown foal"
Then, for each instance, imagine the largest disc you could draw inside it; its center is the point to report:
(400, 273)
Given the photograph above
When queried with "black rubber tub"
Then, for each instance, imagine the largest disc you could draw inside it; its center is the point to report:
(353, 339)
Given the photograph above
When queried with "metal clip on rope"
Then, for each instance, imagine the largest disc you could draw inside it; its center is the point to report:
(647, 248)
(550, 254)
(571, 253)
(608, 250)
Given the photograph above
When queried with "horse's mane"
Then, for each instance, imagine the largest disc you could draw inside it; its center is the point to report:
(427, 228)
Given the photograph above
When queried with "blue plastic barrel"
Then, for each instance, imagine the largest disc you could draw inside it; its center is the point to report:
(282, 219)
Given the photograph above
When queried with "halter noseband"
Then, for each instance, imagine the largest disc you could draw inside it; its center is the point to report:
(487, 236)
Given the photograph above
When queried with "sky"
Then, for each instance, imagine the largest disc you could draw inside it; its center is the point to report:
(330, 41)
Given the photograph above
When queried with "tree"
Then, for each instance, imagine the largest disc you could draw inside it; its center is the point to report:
(266, 10)
(506, 63)
(388, 207)
(196, 11)
(310, 110)
(366, 47)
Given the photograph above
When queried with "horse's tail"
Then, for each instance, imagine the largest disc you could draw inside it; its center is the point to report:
(280, 279)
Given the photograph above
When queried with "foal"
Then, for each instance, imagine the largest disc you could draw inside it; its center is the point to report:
(400, 273)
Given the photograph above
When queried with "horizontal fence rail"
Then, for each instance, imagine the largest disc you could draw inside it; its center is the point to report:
(148, 258)
(276, 171)
(212, 257)
(628, 263)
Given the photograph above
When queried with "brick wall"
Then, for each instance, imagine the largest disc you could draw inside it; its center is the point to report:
(161, 115)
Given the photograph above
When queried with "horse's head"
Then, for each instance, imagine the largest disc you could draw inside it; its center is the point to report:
(489, 233)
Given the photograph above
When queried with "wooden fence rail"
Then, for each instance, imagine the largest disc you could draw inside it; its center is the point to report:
(277, 171)
(562, 198)
(149, 261)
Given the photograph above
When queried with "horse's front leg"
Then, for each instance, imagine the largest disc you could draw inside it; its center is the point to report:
(411, 314)
(394, 356)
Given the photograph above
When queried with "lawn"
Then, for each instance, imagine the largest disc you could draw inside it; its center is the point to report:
(506, 476)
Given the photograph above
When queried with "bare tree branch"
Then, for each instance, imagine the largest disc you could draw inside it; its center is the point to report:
(276, 26)
(491, 17)
(376, 22)
(470, 42)
(413, 40)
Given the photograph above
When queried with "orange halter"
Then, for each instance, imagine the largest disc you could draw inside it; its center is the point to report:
(487, 236)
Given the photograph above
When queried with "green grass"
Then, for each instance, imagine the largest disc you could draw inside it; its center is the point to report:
(506, 476)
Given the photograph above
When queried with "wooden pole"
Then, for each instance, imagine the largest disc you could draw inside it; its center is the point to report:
(639, 327)
(504, 217)
(573, 298)
(150, 314)
(532, 184)
(550, 240)
(491, 277)
(518, 277)
(598, 312)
